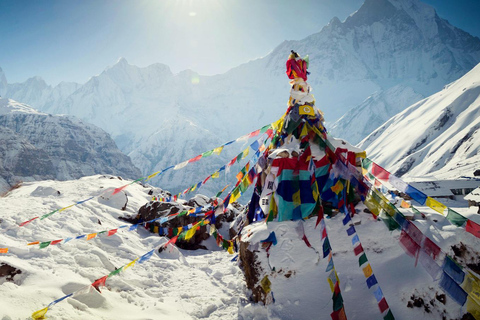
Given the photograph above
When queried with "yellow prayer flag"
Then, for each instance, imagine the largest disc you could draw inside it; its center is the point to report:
(216, 175)
(245, 153)
(277, 125)
(338, 187)
(405, 204)
(435, 205)
(190, 233)
(473, 308)
(153, 175)
(218, 150)
(130, 264)
(265, 283)
(230, 248)
(155, 229)
(304, 131)
(91, 236)
(362, 154)
(63, 209)
(367, 271)
(306, 109)
(40, 314)
(3, 250)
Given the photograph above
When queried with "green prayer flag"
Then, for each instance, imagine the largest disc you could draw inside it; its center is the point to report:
(415, 210)
(337, 301)
(362, 259)
(101, 232)
(390, 223)
(151, 227)
(265, 128)
(239, 157)
(182, 213)
(44, 244)
(114, 272)
(366, 163)
(175, 231)
(48, 214)
(456, 218)
(208, 153)
(389, 316)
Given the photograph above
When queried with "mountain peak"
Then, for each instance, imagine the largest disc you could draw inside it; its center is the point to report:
(121, 62)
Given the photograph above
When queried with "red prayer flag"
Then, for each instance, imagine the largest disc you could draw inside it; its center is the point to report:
(117, 190)
(320, 215)
(254, 133)
(24, 223)
(339, 314)
(171, 241)
(99, 283)
(306, 241)
(407, 243)
(358, 249)
(195, 159)
(383, 305)
(473, 228)
(111, 232)
(379, 172)
(431, 248)
(55, 242)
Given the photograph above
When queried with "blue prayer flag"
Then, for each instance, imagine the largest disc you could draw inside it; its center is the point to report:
(146, 256)
(453, 289)
(347, 219)
(351, 230)
(355, 239)
(453, 270)
(371, 281)
(378, 294)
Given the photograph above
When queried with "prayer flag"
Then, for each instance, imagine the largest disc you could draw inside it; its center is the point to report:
(431, 248)
(44, 244)
(435, 205)
(347, 219)
(99, 283)
(195, 159)
(40, 314)
(337, 300)
(379, 172)
(339, 314)
(407, 243)
(473, 228)
(117, 190)
(91, 236)
(326, 247)
(371, 281)
(355, 240)
(378, 294)
(350, 230)
(363, 259)
(26, 222)
(456, 218)
(367, 271)
(265, 283)
(146, 256)
(432, 268)
(389, 316)
(358, 249)
(455, 271)
(453, 289)
(3, 250)
(54, 242)
(383, 305)
(130, 264)
(218, 150)
(111, 232)
(180, 165)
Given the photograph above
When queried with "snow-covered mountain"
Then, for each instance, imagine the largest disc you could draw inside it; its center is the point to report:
(438, 136)
(360, 121)
(36, 146)
(385, 48)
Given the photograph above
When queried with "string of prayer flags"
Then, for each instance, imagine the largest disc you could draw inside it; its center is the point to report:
(100, 282)
(364, 264)
(452, 216)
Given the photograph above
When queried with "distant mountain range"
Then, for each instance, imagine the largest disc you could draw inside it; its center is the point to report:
(381, 59)
(38, 146)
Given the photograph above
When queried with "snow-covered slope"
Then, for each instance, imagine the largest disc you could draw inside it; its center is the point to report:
(360, 121)
(41, 146)
(437, 136)
(384, 44)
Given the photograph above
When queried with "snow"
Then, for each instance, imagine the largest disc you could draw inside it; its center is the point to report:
(179, 284)
(438, 136)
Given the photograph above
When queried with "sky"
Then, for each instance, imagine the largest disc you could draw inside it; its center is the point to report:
(72, 40)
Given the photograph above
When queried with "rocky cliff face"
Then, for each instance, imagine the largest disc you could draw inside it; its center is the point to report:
(41, 146)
